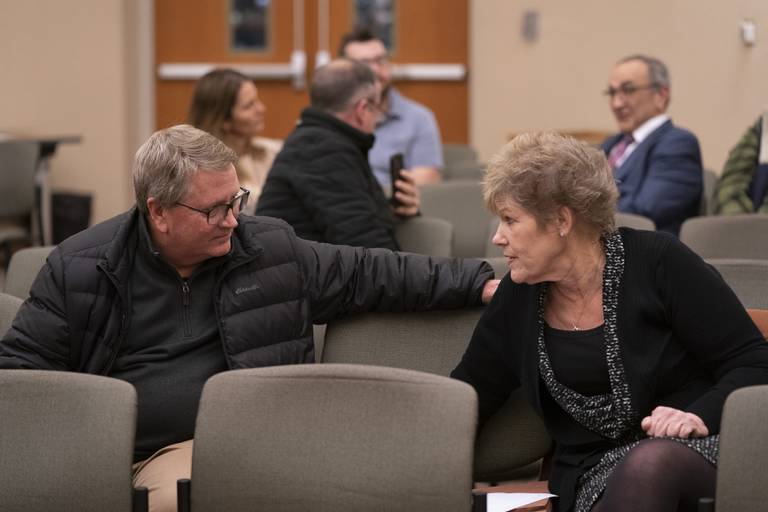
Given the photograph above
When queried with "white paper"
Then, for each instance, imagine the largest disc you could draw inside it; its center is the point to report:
(503, 501)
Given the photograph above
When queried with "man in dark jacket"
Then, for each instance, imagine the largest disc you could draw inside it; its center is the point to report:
(321, 182)
(180, 288)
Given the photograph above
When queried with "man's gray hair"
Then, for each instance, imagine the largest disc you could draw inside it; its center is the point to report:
(165, 163)
(658, 73)
(340, 84)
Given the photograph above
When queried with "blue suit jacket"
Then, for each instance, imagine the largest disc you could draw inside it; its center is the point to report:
(662, 178)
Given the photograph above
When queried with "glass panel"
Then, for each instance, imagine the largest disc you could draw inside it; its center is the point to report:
(249, 24)
(379, 16)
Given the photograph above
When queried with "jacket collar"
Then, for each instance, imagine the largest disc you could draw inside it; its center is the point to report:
(311, 116)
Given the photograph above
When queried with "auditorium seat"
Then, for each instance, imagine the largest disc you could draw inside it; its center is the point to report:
(9, 305)
(512, 440)
(727, 236)
(742, 481)
(332, 438)
(634, 221)
(23, 269)
(747, 278)
(461, 204)
(66, 442)
(425, 235)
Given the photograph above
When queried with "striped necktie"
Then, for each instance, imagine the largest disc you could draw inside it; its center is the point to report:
(617, 151)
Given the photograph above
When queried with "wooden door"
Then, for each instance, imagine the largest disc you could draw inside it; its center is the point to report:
(429, 34)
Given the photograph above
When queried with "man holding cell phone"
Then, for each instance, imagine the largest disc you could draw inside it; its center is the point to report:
(321, 182)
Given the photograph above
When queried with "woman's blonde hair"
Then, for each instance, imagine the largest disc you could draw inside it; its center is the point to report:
(543, 171)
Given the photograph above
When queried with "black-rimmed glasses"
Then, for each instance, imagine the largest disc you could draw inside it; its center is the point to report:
(625, 90)
(216, 214)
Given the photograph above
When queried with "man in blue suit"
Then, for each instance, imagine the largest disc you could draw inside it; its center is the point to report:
(656, 164)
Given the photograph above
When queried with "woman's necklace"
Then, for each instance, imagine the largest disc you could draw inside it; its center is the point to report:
(587, 300)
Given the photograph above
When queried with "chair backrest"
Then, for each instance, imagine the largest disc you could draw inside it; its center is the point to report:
(425, 235)
(18, 164)
(333, 438)
(460, 203)
(747, 278)
(9, 305)
(727, 236)
(631, 220)
(492, 250)
(434, 342)
(499, 264)
(470, 170)
(66, 441)
(742, 481)
(706, 207)
(458, 153)
(23, 268)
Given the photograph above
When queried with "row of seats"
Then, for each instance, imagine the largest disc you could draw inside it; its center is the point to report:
(291, 438)
(321, 437)
(460, 204)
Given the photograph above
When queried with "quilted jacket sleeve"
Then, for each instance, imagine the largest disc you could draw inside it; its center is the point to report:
(39, 335)
(342, 280)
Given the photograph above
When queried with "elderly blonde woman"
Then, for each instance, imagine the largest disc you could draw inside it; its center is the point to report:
(625, 342)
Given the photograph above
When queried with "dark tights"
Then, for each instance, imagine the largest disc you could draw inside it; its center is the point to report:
(659, 475)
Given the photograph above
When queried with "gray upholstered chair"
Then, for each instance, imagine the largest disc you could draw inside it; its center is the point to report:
(66, 442)
(727, 236)
(499, 264)
(425, 235)
(333, 438)
(461, 204)
(631, 220)
(492, 250)
(511, 442)
(458, 153)
(18, 165)
(23, 269)
(9, 305)
(706, 207)
(742, 481)
(747, 278)
(467, 171)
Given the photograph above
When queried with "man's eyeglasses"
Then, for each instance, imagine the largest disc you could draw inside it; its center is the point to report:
(379, 60)
(625, 90)
(216, 214)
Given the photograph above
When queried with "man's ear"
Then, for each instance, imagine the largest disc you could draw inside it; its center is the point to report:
(661, 99)
(564, 220)
(359, 111)
(156, 214)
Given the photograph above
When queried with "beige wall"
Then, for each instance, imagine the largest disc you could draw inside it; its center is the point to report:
(84, 66)
(67, 68)
(719, 86)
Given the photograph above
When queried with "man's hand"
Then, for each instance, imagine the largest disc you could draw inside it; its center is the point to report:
(489, 289)
(669, 422)
(408, 194)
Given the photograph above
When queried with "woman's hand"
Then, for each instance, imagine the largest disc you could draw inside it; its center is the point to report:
(407, 193)
(489, 289)
(669, 422)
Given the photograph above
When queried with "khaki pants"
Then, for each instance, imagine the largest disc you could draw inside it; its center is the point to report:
(160, 472)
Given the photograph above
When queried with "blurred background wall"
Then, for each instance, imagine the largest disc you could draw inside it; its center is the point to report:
(85, 67)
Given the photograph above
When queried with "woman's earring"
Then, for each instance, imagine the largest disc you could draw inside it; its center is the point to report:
(562, 234)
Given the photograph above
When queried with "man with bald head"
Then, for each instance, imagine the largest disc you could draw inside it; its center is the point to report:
(657, 164)
(321, 182)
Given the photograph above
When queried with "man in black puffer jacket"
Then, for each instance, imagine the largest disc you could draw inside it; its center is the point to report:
(179, 289)
(321, 182)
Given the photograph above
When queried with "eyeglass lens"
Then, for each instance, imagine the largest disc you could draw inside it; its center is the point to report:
(219, 213)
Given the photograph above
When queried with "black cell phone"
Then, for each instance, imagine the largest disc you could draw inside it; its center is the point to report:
(395, 166)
